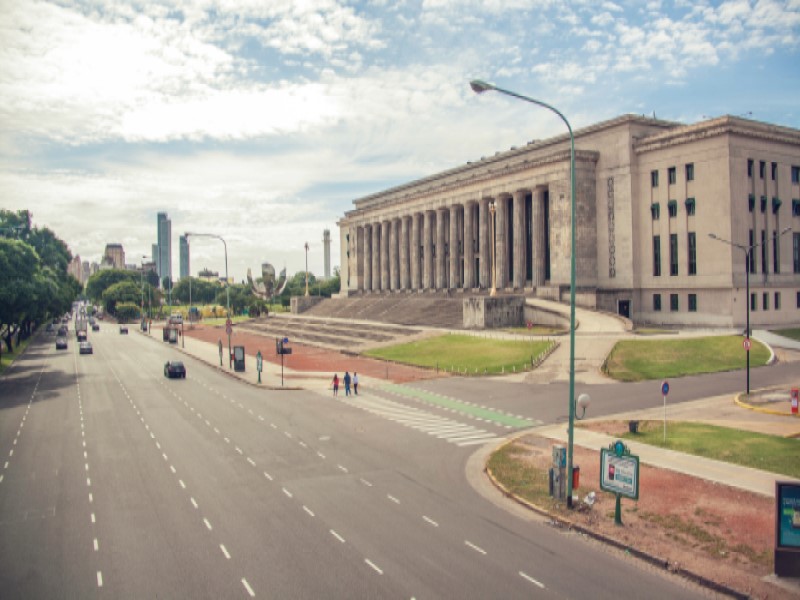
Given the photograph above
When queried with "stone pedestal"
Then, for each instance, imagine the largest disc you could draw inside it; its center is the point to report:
(486, 312)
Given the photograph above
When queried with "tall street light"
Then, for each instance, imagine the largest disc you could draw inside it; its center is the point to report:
(492, 210)
(479, 87)
(306, 246)
(227, 282)
(748, 253)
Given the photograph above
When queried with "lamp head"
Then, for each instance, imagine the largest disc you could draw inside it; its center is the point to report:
(479, 86)
(583, 401)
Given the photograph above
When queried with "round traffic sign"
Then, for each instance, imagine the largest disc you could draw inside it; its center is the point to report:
(664, 388)
(746, 344)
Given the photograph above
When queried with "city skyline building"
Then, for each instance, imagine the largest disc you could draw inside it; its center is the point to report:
(164, 261)
(114, 256)
(326, 245)
(185, 265)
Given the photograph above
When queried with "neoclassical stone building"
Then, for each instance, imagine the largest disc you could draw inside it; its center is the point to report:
(649, 194)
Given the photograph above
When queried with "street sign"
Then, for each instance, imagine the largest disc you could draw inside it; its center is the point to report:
(285, 340)
(664, 388)
(746, 344)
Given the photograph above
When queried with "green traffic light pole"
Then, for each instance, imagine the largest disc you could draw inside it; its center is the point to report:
(227, 281)
(479, 87)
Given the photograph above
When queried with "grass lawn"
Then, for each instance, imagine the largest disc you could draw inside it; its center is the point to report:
(637, 360)
(461, 352)
(793, 334)
(7, 359)
(537, 330)
(760, 451)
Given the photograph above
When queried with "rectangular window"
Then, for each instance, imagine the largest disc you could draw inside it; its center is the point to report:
(776, 205)
(764, 251)
(692, 237)
(655, 211)
(751, 202)
(763, 204)
(797, 300)
(752, 238)
(796, 251)
(692, 302)
(796, 208)
(672, 175)
(673, 254)
(750, 168)
(776, 257)
(672, 207)
(795, 174)
(653, 178)
(774, 171)
(765, 300)
(657, 255)
(762, 169)
(673, 302)
(753, 302)
(690, 207)
(689, 171)
(777, 300)
(657, 302)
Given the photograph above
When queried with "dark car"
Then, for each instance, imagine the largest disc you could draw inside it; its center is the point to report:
(123, 329)
(86, 348)
(81, 336)
(174, 368)
(61, 343)
(95, 326)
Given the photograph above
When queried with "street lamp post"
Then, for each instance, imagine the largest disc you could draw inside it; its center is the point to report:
(227, 281)
(306, 246)
(492, 210)
(748, 253)
(480, 87)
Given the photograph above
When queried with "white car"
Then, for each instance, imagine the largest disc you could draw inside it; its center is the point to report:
(176, 319)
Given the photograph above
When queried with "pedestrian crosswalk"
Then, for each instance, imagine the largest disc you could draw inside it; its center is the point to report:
(443, 428)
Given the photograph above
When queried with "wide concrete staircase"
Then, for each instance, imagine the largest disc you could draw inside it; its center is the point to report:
(425, 310)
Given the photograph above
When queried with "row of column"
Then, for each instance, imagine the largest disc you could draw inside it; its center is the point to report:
(449, 247)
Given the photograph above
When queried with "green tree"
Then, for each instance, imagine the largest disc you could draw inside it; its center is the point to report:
(122, 292)
(127, 312)
(202, 292)
(102, 280)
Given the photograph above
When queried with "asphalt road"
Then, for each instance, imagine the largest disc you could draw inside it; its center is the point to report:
(117, 482)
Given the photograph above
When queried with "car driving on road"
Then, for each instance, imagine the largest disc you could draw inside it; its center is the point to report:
(86, 348)
(61, 343)
(174, 368)
(123, 329)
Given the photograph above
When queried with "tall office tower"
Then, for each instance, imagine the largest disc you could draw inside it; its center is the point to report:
(164, 248)
(155, 257)
(114, 256)
(326, 242)
(184, 258)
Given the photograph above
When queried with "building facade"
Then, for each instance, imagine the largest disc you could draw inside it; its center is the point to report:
(185, 268)
(326, 250)
(114, 256)
(164, 247)
(650, 195)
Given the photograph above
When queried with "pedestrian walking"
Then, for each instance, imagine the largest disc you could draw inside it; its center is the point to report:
(347, 383)
(355, 382)
(335, 384)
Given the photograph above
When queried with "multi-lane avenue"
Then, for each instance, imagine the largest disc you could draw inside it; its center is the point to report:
(117, 482)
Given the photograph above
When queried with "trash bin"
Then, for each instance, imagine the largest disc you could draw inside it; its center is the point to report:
(633, 426)
(238, 358)
(576, 477)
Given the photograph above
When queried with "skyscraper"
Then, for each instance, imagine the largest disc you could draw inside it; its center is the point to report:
(185, 269)
(326, 243)
(164, 247)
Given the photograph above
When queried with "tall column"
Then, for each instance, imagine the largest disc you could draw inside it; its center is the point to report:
(427, 249)
(394, 255)
(405, 280)
(520, 249)
(376, 256)
(416, 274)
(539, 237)
(501, 247)
(455, 249)
(469, 246)
(385, 226)
(367, 258)
(441, 255)
(483, 246)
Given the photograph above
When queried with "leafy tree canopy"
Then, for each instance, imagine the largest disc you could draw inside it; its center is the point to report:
(102, 280)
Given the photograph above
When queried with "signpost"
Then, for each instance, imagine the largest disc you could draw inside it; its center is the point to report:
(282, 349)
(795, 400)
(259, 362)
(229, 331)
(664, 392)
(619, 474)
(220, 353)
(746, 344)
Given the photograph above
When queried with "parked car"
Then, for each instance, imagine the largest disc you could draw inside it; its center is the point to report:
(86, 348)
(95, 326)
(123, 329)
(174, 368)
(61, 343)
(176, 319)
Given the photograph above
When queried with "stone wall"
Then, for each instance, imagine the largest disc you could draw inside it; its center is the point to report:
(301, 304)
(486, 312)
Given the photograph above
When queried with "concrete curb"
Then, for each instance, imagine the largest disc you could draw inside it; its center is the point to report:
(640, 554)
(738, 400)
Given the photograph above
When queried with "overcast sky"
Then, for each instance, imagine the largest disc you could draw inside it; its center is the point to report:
(262, 120)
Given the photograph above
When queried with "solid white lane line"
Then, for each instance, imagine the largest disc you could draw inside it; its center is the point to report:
(224, 551)
(267, 475)
(96, 545)
(287, 492)
(477, 442)
(194, 502)
(393, 499)
(248, 588)
(337, 536)
(99, 579)
(308, 510)
(374, 566)
(431, 521)
(531, 579)
(207, 524)
(366, 483)
(474, 547)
